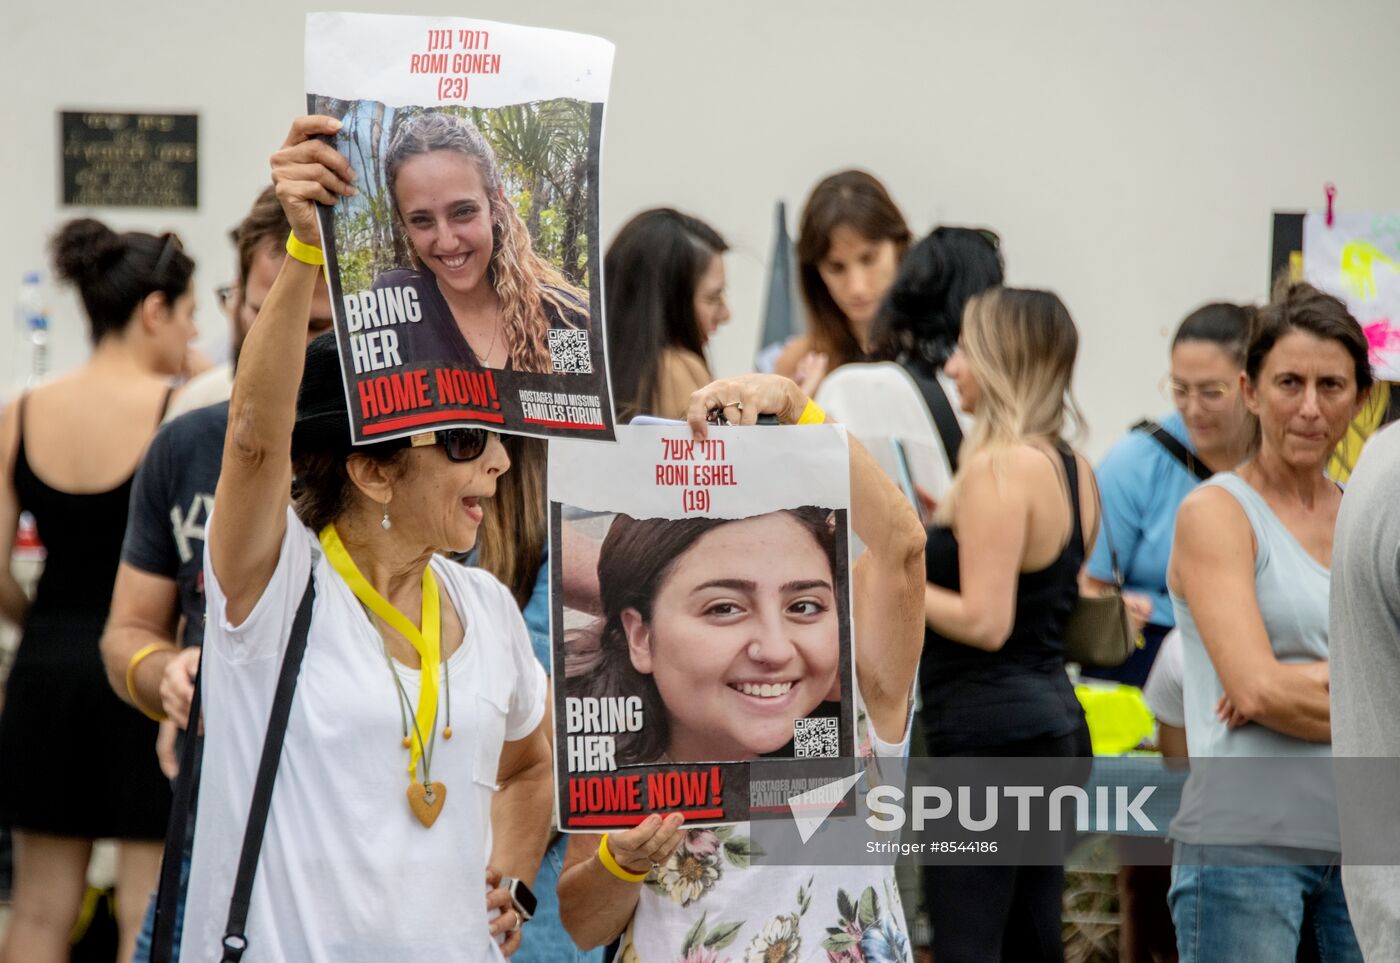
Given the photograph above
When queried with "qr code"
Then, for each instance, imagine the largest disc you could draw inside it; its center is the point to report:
(568, 350)
(815, 738)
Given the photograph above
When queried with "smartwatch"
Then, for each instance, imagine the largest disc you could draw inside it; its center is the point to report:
(521, 899)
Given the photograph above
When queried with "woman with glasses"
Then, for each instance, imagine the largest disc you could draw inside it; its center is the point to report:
(413, 795)
(1145, 477)
(76, 764)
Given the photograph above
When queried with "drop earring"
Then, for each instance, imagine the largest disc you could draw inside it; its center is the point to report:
(384, 522)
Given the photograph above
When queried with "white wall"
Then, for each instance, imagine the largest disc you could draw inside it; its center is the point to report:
(1129, 153)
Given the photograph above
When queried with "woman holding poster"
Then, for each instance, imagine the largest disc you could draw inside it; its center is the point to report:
(386, 836)
(1004, 561)
(487, 299)
(669, 891)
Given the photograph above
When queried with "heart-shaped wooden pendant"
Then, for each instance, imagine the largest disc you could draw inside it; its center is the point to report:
(426, 801)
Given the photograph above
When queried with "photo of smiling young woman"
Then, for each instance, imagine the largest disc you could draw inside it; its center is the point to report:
(487, 299)
(730, 632)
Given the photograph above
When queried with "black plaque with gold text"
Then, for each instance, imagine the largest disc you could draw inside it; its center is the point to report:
(129, 160)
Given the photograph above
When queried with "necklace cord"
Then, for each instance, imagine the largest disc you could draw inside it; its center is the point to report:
(427, 641)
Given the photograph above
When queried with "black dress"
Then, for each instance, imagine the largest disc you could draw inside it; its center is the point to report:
(977, 702)
(1014, 702)
(74, 759)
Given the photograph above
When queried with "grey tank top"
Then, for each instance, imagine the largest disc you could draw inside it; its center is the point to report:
(1262, 799)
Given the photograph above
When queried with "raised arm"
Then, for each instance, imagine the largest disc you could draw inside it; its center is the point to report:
(251, 500)
(1212, 568)
(889, 577)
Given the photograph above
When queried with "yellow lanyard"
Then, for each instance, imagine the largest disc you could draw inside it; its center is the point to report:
(427, 641)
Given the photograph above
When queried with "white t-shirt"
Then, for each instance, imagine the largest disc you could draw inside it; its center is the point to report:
(347, 874)
(879, 403)
(1162, 693)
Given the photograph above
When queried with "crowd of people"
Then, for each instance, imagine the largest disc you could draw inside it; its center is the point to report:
(186, 565)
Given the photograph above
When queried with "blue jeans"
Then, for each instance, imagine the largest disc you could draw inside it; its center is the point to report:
(148, 925)
(1257, 913)
(545, 940)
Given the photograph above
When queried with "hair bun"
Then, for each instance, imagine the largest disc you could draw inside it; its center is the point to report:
(84, 248)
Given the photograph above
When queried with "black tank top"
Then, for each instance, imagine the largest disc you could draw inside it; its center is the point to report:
(82, 534)
(973, 699)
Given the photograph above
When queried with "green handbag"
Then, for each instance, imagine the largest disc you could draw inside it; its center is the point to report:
(1100, 633)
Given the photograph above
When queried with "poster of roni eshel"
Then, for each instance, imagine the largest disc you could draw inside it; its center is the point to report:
(700, 596)
(465, 273)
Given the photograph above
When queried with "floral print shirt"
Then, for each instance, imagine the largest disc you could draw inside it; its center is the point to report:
(707, 904)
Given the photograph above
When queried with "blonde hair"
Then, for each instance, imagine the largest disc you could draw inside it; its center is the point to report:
(524, 281)
(1020, 345)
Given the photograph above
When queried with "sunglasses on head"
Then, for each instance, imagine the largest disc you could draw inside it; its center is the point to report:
(459, 444)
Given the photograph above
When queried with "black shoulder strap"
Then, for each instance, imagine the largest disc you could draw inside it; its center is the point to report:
(944, 418)
(177, 831)
(235, 942)
(1072, 477)
(1175, 448)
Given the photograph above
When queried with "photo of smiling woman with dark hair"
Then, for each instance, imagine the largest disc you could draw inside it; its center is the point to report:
(728, 632)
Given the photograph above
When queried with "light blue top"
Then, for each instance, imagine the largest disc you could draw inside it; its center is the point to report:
(536, 612)
(1287, 805)
(1142, 486)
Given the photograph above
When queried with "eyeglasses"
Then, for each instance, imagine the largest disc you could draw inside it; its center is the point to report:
(1213, 395)
(458, 444)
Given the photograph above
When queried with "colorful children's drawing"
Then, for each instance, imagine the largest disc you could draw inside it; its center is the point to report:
(1357, 258)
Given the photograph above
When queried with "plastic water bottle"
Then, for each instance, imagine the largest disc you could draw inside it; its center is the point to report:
(33, 320)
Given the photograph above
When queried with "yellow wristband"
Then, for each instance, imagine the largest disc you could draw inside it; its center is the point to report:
(303, 252)
(136, 660)
(812, 414)
(613, 866)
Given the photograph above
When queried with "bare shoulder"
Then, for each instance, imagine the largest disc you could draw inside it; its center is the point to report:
(1210, 514)
(678, 362)
(793, 352)
(1006, 477)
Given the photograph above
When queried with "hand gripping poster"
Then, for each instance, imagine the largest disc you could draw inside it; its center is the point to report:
(700, 595)
(465, 272)
(1357, 258)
